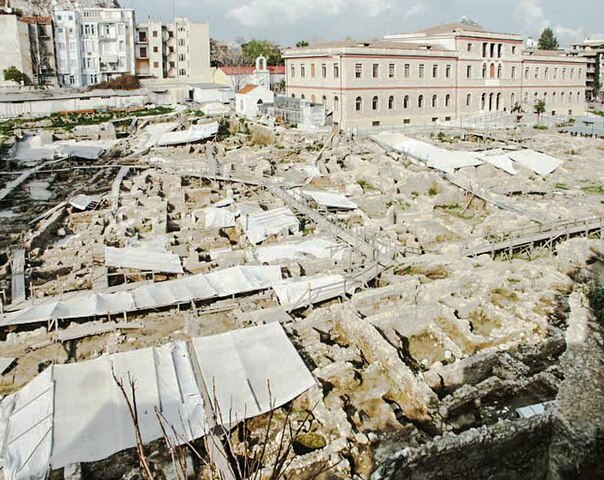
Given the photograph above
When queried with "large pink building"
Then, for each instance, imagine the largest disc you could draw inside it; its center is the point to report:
(448, 72)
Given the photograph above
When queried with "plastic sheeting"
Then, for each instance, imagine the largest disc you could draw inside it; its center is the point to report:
(195, 133)
(315, 248)
(260, 225)
(217, 217)
(75, 413)
(81, 202)
(331, 200)
(540, 163)
(498, 159)
(142, 259)
(300, 292)
(230, 281)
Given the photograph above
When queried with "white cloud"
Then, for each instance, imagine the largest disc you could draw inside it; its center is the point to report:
(265, 12)
(531, 17)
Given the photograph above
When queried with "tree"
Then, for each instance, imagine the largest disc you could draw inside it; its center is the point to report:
(302, 44)
(254, 48)
(548, 40)
(12, 73)
(539, 108)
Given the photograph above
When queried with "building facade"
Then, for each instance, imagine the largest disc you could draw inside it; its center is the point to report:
(449, 72)
(592, 49)
(93, 45)
(28, 45)
(177, 50)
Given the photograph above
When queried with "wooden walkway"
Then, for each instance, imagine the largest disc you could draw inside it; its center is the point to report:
(18, 294)
(526, 239)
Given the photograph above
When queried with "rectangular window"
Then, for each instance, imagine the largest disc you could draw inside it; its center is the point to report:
(155, 33)
(181, 57)
(303, 71)
(336, 70)
(324, 70)
(526, 72)
(448, 71)
(537, 72)
(312, 70)
(376, 70)
(513, 72)
(391, 70)
(407, 70)
(421, 70)
(469, 71)
(469, 47)
(358, 70)
(434, 71)
(155, 64)
(293, 71)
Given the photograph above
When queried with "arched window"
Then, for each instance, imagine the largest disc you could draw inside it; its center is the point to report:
(484, 71)
(546, 73)
(468, 100)
(499, 71)
(570, 97)
(406, 102)
(375, 104)
(259, 102)
(434, 101)
(498, 102)
(491, 101)
(302, 97)
(536, 96)
(447, 100)
(336, 103)
(483, 102)
(526, 97)
(313, 99)
(554, 97)
(293, 95)
(492, 70)
(324, 100)
(420, 101)
(562, 97)
(390, 103)
(512, 100)
(358, 104)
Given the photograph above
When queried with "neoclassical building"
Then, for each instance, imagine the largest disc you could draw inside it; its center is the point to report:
(448, 72)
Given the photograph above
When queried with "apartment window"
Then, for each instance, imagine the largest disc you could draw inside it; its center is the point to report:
(172, 64)
(155, 49)
(390, 103)
(407, 70)
(420, 101)
(421, 70)
(406, 102)
(312, 70)
(293, 71)
(513, 72)
(406, 121)
(121, 30)
(336, 70)
(358, 70)
(448, 71)
(303, 71)
(434, 71)
(182, 73)
(468, 47)
(143, 52)
(375, 103)
(447, 100)
(181, 57)
(434, 101)
(469, 71)
(376, 70)
(336, 103)
(391, 70)
(468, 100)
(171, 49)
(358, 103)
(155, 64)
(142, 37)
(155, 33)
(324, 70)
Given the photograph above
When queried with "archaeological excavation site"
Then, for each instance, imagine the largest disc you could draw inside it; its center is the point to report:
(193, 296)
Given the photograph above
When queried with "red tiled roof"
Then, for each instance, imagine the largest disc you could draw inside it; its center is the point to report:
(275, 70)
(36, 20)
(247, 89)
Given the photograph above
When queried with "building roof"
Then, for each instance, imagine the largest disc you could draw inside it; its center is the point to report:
(35, 20)
(247, 89)
(375, 44)
(451, 28)
(274, 69)
(64, 93)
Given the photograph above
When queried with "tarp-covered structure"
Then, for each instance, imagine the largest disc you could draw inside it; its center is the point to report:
(220, 283)
(258, 226)
(75, 413)
(142, 259)
(330, 200)
(300, 292)
(314, 248)
(194, 133)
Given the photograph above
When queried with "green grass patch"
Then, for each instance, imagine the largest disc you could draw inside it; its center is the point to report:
(365, 185)
(561, 186)
(593, 189)
(540, 127)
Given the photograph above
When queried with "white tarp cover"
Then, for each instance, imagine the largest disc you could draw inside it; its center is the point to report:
(315, 248)
(217, 217)
(331, 200)
(26, 419)
(142, 259)
(498, 159)
(195, 133)
(258, 226)
(153, 133)
(251, 371)
(91, 421)
(230, 281)
(299, 292)
(214, 108)
(5, 363)
(81, 202)
(540, 163)
(444, 160)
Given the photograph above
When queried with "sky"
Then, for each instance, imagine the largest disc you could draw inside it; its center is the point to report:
(288, 21)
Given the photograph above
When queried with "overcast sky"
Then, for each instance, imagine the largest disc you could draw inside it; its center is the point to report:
(287, 21)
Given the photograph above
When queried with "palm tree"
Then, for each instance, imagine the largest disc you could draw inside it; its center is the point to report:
(539, 109)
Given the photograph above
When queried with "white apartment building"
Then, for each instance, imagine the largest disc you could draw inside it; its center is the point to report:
(592, 49)
(176, 50)
(93, 45)
(448, 72)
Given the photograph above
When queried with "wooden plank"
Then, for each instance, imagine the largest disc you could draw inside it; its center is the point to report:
(18, 293)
